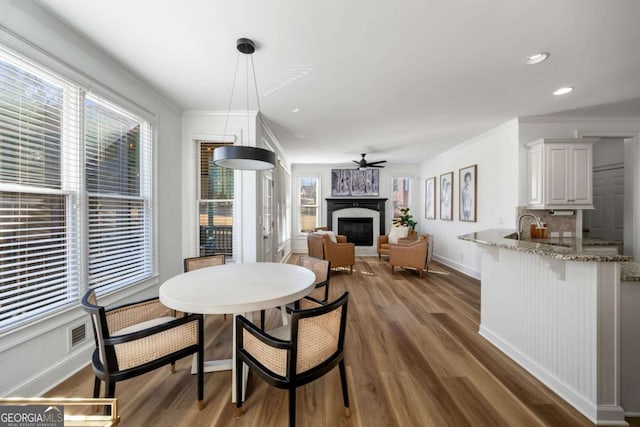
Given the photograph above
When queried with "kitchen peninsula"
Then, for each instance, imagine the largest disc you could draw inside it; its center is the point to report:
(559, 312)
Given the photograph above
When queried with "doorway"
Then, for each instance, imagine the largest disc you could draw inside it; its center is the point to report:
(267, 216)
(606, 220)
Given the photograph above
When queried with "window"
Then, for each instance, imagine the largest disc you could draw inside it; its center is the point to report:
(117, 160)
(309, 203)
(401, 196)
(215, 203)
(283, 204)
(43, 208)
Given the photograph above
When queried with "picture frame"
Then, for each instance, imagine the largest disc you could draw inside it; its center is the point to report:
(468, 191)
(355, 183)
(430, 198)
(446, 196)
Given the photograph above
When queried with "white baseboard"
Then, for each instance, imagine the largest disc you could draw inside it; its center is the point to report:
(599, 414)
(43, 381)
(457, 266)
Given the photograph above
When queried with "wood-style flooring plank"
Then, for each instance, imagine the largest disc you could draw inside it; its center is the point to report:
(413, 358)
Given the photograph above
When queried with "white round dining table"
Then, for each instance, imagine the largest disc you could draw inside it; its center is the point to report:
(240, 289)
(237, 288)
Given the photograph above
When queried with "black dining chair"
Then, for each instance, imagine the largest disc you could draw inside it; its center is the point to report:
(293, 355)
(136, 338)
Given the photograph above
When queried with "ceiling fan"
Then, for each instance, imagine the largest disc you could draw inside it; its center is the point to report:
(363, 164)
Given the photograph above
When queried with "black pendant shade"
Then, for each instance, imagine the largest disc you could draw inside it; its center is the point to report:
(244, 158)
(241, 156)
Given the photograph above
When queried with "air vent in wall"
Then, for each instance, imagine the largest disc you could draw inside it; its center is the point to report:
(78, 334)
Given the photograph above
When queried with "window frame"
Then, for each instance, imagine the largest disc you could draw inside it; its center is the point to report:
(76, 194)
(409, 195)
(198, 200)
(283, 189)
(318, 204)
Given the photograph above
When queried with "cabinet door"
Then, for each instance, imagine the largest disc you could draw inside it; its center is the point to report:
(581, 175)
(558, 157)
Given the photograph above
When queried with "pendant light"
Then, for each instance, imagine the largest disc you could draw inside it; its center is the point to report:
(244, 157)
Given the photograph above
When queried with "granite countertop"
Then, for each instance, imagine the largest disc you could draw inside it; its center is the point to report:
(569, 249)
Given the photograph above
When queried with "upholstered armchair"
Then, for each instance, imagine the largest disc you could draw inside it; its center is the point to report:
(339, 253)
(385, 242)
(415, 254)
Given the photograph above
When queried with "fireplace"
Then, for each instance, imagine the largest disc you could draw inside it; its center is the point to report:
(370, 212)
(358, 230)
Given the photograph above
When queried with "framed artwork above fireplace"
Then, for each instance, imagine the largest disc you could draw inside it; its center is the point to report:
(355, 182)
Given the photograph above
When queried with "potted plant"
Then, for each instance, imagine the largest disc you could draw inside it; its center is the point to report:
(405, 220)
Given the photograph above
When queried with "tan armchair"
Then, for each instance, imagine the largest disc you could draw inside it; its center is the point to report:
(416, 254)
(340, 254)
(384, 245)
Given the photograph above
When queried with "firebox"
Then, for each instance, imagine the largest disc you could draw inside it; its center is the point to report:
(358, 230)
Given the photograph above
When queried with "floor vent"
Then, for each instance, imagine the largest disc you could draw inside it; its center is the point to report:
(78, 334)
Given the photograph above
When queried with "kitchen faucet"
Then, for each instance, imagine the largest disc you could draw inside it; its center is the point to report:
(538, 223)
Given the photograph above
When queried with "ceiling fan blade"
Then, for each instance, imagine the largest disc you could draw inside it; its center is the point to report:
(375, 163)
(375, 166)
(356, 162)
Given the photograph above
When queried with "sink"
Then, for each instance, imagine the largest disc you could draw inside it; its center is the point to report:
(513, 236)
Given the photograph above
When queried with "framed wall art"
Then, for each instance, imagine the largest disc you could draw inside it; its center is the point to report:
(446, 199)
(430, 198)
(355, 182)
(468, 181)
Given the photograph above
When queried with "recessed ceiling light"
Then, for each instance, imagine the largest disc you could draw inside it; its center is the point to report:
(563, 90)
(295, 110)
(536, 58)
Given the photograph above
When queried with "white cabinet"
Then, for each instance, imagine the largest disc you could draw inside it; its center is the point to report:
(560, 173)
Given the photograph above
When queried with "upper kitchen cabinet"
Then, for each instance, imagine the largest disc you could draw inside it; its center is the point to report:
(560, 173)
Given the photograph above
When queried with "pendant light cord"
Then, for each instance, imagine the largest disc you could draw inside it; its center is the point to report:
(255, 84)
(246, 70)
(233, 85)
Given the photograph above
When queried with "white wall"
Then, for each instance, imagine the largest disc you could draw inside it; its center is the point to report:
(35, 358)
(496, 154)
(608, 151)
(387, 173)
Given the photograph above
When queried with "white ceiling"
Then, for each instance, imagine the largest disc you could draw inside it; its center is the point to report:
(402, 80)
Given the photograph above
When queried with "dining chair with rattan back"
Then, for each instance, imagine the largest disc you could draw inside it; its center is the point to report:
(195, 263)
(136, 338)
(322, 269)
(296, 354)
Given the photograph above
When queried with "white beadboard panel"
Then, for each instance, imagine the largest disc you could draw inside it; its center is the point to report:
(630, 348)
(558, 319)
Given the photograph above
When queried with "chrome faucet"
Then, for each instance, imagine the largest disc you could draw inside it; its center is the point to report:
(538, 223)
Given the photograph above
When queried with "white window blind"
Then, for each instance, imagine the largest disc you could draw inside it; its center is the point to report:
(39, 183)
(118, 184)
(75, 208)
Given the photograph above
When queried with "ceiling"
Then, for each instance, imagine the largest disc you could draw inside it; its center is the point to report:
(402, 81)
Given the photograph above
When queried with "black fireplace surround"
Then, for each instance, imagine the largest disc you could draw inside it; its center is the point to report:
(335, 204)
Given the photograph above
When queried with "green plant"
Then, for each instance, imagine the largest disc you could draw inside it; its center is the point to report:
(405, 220)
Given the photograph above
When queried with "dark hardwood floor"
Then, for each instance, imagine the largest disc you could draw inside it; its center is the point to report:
(413, 356)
